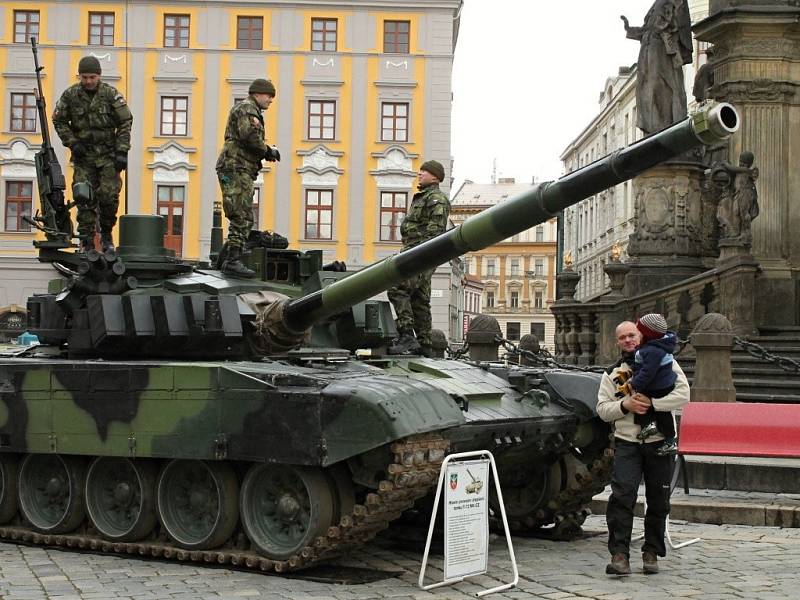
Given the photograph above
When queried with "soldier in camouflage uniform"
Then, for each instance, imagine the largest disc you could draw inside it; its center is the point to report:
(238, 166)
(94, 122)
(426, 218)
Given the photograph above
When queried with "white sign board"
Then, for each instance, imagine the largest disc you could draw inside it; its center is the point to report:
(437, 293)
(466, 518)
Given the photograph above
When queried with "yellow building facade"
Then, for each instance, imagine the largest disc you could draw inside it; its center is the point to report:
(363, 98)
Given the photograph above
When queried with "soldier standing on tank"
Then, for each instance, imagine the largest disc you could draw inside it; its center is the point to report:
(238, 166)
(426, 218)
(94, 122)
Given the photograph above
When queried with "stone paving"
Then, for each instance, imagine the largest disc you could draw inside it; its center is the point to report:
(731, 562)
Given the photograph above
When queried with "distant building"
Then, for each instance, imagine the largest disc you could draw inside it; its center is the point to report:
(518, 274)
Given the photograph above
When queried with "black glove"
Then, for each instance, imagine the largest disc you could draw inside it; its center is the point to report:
(121, 161)
(272, 154)
(78, 149)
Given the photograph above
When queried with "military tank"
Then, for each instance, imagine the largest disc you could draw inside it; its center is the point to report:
(171, 411)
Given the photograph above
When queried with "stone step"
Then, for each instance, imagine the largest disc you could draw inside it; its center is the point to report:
(751, 474)
(767, 397)
(776, 341)
(780, 330)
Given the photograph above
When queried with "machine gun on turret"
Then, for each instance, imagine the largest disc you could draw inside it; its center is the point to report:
(54, 220)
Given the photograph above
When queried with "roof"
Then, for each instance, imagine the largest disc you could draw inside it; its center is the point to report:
(487, 194)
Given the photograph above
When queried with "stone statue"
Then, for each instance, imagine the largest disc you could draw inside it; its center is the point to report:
(738, 204)
(666, 45)
(616, 251)
(704, 78)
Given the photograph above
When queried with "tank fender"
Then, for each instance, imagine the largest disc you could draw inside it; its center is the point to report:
(361, 414)
(577, 389)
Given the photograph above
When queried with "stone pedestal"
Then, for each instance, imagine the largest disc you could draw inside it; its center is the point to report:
(567, 282)
(616, 272)
(712, 339)
(737, 288)
(667, 243)
(481, 337)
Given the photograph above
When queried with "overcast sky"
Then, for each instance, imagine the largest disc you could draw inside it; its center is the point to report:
(527, 76)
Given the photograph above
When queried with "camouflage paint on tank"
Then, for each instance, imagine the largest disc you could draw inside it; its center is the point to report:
(212, 411)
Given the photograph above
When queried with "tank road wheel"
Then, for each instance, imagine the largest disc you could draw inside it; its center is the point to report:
(51, 492)
(8, 487)
(120, 498)
(198, 502)
(527, 503)
(284, 508)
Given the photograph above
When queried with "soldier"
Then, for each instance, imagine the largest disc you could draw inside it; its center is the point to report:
(94, 122)
(426, 218)
(238, 166)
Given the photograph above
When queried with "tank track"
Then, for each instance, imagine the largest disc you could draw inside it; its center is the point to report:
(414, 472)
(567, 510)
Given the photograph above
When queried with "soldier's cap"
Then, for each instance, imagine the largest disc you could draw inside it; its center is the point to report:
(435, 168)
(262, 86)
(89, 64)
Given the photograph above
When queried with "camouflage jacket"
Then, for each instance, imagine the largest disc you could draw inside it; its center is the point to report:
(426, 217)
(245, 144)
(101, 121)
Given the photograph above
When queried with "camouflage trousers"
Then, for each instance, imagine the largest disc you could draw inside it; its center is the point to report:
(412, 303)
(237, 202)
(106, 184)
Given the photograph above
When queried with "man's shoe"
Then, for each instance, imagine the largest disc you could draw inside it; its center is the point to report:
(619, 565)
(668, 448)
(107, 243)
(87, 244)
(648, 430)
(406, 344)
(649, 563)
(233, 265)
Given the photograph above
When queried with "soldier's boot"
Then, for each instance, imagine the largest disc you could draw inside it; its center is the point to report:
(405, 344)
(233, 264)
(87, 243)
(107, 242)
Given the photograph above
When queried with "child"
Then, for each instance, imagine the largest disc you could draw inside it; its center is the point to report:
(653, 376)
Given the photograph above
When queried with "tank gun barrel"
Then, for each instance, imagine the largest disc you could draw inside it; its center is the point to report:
(711, 124)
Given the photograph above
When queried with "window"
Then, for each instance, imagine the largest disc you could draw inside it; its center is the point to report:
(323, 35)
(394, 122)
(321, 120)
(538, 299)
(26, 26)
(393, 211)
(514, 300)
(170, 206)
(540, 233)
(490, 268)
(19, 202)
(537, 329)
(23, 112)
(514, 267)
(489, 299)
(256, 207)
(538, 267)
(250, 33)
(395, 36)
(319, 214)
(512, 330)
(174, 112)
(176, 31)
(101, 29)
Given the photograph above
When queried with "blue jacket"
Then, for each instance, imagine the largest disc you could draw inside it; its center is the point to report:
(652, 366)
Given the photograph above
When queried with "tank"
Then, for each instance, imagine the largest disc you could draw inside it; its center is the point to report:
(171, 411)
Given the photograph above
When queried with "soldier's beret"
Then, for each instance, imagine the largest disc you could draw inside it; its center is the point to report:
(89, 64)
(262, 86)
(435, 168)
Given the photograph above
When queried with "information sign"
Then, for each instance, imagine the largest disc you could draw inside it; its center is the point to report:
(466, 518)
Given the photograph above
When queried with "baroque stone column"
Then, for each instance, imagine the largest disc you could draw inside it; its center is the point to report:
(667, 243)
(756, 57)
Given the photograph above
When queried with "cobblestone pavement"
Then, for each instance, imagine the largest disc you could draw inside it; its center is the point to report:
(731, 562)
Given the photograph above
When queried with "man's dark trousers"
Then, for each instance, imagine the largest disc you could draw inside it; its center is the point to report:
(632, 461)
